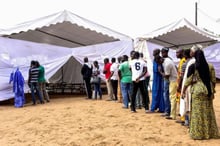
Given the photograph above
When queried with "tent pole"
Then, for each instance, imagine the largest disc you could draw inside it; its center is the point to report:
(62, 74)
(180, 45)
(50, 34)
(196, 16)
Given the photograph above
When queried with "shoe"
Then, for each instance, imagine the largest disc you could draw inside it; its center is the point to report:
(139, 107)
(108, 99)
(185, 124)
(149, 111)
(165, 115)
(133, 111)
(125, 107)
(169, 118)
(114, 100)
(33, 103)
(179, 121)
(160, 111)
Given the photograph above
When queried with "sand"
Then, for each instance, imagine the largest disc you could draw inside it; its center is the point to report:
(74, 121)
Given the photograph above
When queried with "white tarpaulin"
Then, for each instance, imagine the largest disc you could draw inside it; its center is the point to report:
(212, 54)
(17, 53)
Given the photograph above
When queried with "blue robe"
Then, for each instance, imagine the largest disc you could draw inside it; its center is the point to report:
(157, 90)
(18, 88)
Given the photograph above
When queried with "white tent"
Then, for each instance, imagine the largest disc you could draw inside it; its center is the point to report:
(179, 34)
(63, 29)
(62, 64)
(18, 54)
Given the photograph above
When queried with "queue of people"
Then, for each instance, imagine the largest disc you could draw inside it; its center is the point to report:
(182, 93)
(127, 80)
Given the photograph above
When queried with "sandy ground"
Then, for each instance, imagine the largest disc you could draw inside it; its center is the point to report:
(74, 121)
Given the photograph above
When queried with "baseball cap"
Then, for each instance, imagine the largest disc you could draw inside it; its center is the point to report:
(165, 49)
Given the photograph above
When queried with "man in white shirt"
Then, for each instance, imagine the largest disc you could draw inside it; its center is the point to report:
(114, 77)
(138, 69)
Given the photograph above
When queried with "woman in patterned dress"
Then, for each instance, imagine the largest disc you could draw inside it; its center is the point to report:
(203, 122)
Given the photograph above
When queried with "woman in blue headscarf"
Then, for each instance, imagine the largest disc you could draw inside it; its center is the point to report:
(157, 87)
(18, 88)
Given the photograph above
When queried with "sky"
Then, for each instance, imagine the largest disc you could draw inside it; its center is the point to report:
(131, 17)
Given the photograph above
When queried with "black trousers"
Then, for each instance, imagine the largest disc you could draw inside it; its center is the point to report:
(88, 87)
(140, 85)
(115, 88)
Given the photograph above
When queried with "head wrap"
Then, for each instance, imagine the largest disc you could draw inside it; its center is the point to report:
(196, 47)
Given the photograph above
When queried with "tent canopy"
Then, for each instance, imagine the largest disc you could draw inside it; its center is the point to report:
(178, 34)
(63, 29)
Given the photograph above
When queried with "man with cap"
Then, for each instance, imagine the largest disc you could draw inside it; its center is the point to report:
(170, 84)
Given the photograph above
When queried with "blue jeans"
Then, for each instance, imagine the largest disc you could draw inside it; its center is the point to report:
(125, 90)
(35, 86)
(166, 96)
(98, 89)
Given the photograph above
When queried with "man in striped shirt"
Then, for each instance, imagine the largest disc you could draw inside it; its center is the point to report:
(33, 82)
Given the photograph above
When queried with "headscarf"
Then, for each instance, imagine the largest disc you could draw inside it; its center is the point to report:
(202, 67)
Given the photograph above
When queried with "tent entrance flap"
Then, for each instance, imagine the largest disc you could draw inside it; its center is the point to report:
(70, 72)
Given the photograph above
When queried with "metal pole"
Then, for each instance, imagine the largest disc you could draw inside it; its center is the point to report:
(196, 17)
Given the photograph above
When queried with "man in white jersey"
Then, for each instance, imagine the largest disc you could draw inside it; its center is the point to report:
(138, 69)
(114, 77)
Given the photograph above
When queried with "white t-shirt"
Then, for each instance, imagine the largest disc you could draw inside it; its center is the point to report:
(137, 68)
(114, 68)
(96, 71)
(170, 69)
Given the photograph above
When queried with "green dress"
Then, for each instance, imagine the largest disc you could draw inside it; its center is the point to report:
(203, 122)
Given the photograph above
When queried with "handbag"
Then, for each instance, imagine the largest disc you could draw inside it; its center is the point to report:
(94, 80)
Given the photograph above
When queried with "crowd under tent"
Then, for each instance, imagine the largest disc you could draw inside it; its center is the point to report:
(61, 64)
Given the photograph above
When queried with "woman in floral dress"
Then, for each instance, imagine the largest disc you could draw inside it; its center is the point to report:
(203, 122)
